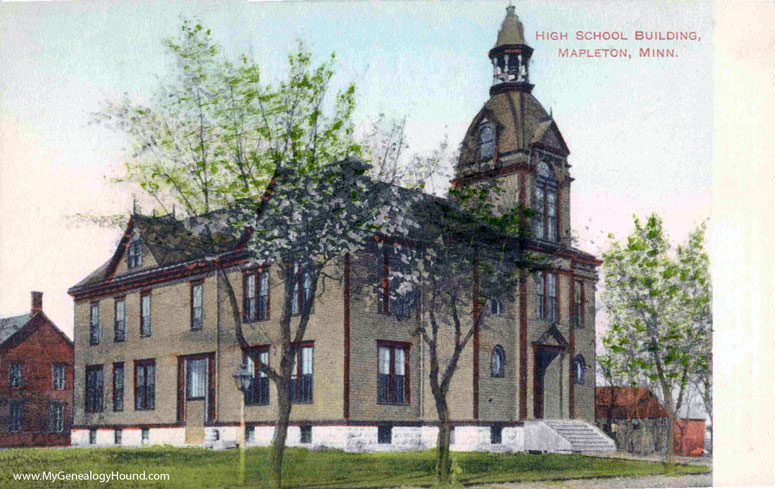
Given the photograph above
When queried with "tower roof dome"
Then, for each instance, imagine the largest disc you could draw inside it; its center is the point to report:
(511, 31)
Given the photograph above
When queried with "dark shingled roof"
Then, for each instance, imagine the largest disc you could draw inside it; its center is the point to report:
(9, 326)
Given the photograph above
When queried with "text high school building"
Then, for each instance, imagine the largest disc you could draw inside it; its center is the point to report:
(155, 351)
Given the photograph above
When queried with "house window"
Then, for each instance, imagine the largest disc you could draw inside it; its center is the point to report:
(197, 289)
(392, 298)
(93, 389)
(145, 385)
(546, 296)
(117, 435)
(145, 435)
(578, 304)
(302, 290)
(94, 324)
(486, 140)
(258, 392)
(92, 436)
(301, 385)
(255, 286)
(451, 435)
(579, 370)
(545, 203)
(496, 307)
(496, 435)
(135, 258)
(58, 376)
(15, 375)
(497, 362)
(56, 416)
(250, 434)
(118, 387)
(306, 434)
(196, 378)
(384, 434)
(392, 378)
(14, 416)
(119, 324)
(145, 314)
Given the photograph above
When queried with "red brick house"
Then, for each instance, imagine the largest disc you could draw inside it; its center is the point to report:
(36, 380)
(637, 421)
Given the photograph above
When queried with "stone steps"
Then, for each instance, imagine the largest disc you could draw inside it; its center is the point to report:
(582, 436)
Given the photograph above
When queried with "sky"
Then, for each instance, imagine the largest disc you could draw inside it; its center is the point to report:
(639, 130)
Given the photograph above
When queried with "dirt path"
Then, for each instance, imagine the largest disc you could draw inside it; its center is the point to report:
(695, 480)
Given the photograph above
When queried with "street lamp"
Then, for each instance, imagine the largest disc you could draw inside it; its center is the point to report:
(243, 379)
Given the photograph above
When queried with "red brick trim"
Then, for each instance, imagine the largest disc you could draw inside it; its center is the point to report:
(346, 379)
(523, 345)
(128, 426)
(477, 315)
(372, 423)
(571, 346)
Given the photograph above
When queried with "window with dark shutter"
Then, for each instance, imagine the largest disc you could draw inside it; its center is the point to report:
(118, 387)
(392, 378)
(145, 385)
(94, 324)
(119, 323)
(94, 388)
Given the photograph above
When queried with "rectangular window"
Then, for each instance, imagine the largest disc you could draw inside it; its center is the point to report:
(551, 296)
(451, 435)
(58, 376)
(496, 435)
(392, 378)
(302, 290)
(578, 304)
(14, 416)
(145, 314)
(258, 392)
(384, 434)
(94, 324)
(255, 285)
(145, 385)
(56, 416)
(197, 308)
(93, 389)
(391, 298)
(135, 258)
(551, 215)
(118, 386)
(546, 296)
(119, 323)
(539, 203)
(145, 435)
(250, 434)
(306, 434)
(15, 375)
(92, 436)
(117, 435)
(196, 378)
(301, 386)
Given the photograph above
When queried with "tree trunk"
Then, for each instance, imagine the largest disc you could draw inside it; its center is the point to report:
(670, 454)
(443, 460)
(280, 435)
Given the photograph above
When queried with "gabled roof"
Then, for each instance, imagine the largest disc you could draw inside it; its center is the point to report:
(627, 403)
(13, 326)
(171, 241)
(9, 326)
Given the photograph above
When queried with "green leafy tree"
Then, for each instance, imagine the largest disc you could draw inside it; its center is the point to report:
(658, 307)
(236, 153)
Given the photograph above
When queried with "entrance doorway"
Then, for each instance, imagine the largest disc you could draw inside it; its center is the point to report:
(547, 382)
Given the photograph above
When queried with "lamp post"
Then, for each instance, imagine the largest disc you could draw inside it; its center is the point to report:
(243, 378)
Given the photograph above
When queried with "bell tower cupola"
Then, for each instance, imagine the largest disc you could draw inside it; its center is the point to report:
(510, 57)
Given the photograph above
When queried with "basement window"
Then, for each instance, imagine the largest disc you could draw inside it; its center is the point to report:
(146, 435)
(385, 434)
(117, 436)
(306, 434)
(92, 436)
(496, 435)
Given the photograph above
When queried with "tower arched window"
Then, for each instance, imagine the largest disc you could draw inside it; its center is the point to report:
(486, 140)
(579, 369)
(497, 362)
(545, 203)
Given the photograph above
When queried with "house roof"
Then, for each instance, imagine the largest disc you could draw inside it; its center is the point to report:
(627, 403)
(10, 325)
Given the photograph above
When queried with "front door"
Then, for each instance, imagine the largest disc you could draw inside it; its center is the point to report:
(543, 357)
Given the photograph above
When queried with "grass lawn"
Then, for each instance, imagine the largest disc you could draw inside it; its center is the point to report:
(197, 467)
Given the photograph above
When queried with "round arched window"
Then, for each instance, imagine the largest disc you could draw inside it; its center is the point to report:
(486, 141)
(497, 361)
(579, 369)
